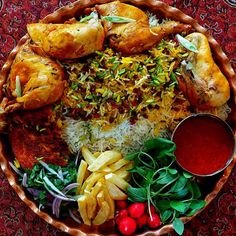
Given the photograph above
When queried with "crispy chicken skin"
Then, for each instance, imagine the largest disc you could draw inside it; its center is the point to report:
(204, 84)
(28, 144)
(70, 40)
(138, 36)
(41, 80)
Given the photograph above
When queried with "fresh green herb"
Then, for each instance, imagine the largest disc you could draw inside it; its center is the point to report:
(157, 180)
(18, 87)
(185, 43)
(178, 226)
(89, 17)
(118, 19)
(56, 178)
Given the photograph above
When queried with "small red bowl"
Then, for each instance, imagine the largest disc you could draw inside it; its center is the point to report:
(205, 144)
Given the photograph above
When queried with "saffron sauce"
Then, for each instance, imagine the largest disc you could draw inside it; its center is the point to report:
(204, 144)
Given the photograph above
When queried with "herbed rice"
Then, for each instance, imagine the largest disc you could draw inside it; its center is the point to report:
(161, 106)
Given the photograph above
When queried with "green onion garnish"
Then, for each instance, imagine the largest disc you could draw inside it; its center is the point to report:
(89, 17)
(185, 43)
(118, 19)
(18, 87)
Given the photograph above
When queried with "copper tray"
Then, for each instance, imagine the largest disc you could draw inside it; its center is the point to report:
(74, 10)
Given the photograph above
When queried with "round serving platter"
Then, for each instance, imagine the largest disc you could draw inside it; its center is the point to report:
(74, 10)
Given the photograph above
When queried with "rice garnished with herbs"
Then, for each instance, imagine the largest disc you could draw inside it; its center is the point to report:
(113, 101)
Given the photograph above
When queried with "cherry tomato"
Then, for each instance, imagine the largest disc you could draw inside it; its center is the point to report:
(127, 225)
(123, 212)
(154, 222)
(136, 210)
(121, 204)
(142, 221)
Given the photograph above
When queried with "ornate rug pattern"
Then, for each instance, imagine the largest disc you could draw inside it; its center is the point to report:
(218, 16)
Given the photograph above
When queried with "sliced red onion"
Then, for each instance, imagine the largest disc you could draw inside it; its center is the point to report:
(24, 180)
(46, 166)
(15, 169)
(69, 187)
(59, 196)
(33, 191)
(56, 207)
(77, 158)
(75, 218)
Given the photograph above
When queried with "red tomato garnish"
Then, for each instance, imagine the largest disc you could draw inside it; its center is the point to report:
(123, 212)
(154, 222)
(136, 210)
(127, 225)
(121, 204)
(142, 221)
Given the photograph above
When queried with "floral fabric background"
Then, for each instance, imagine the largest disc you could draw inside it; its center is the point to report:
(218, 16)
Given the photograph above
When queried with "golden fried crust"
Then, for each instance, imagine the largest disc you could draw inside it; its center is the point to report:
(138, 36)
(68, 41)
(27, 146)
(41, 79)
(121, 9)
(205, 86)
(29, 142)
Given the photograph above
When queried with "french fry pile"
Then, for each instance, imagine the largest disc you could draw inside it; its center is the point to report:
(102, 179)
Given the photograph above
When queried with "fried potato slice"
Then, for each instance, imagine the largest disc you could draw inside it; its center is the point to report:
(87, 155)
(116, 166)
(100, 198)
(96, 189)
(82, 205)
(81, 174)
(117, 180)
(104, 159)
(90, 181)
(114, 192)
(110, 202)
(91, 206)
(102, 214)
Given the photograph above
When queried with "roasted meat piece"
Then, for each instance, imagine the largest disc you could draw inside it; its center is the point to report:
(40, 81)
(138, 36)
(203, 83)
(28, 145)
(33, 135)
(70, 40)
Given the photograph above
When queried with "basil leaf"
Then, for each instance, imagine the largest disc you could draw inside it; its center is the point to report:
(131, 156)
(178, 206)
(187, 175)
(137, 194)
(166, 179)
(165, 215)
(180, 194)
(163, 205)
(178, 226)
(173, 171)
(187, 44)
(194, 189)
(179, 184)
(197, 204)
(118, 19)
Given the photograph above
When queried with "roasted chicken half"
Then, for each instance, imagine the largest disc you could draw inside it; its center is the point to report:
(138, 36)
(70, 40)
(40, 81)
(32, 136)
(203, 83)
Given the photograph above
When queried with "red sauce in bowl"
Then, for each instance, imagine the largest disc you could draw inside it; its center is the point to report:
(205, 144)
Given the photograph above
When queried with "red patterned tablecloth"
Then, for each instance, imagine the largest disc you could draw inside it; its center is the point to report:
(218, 16)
